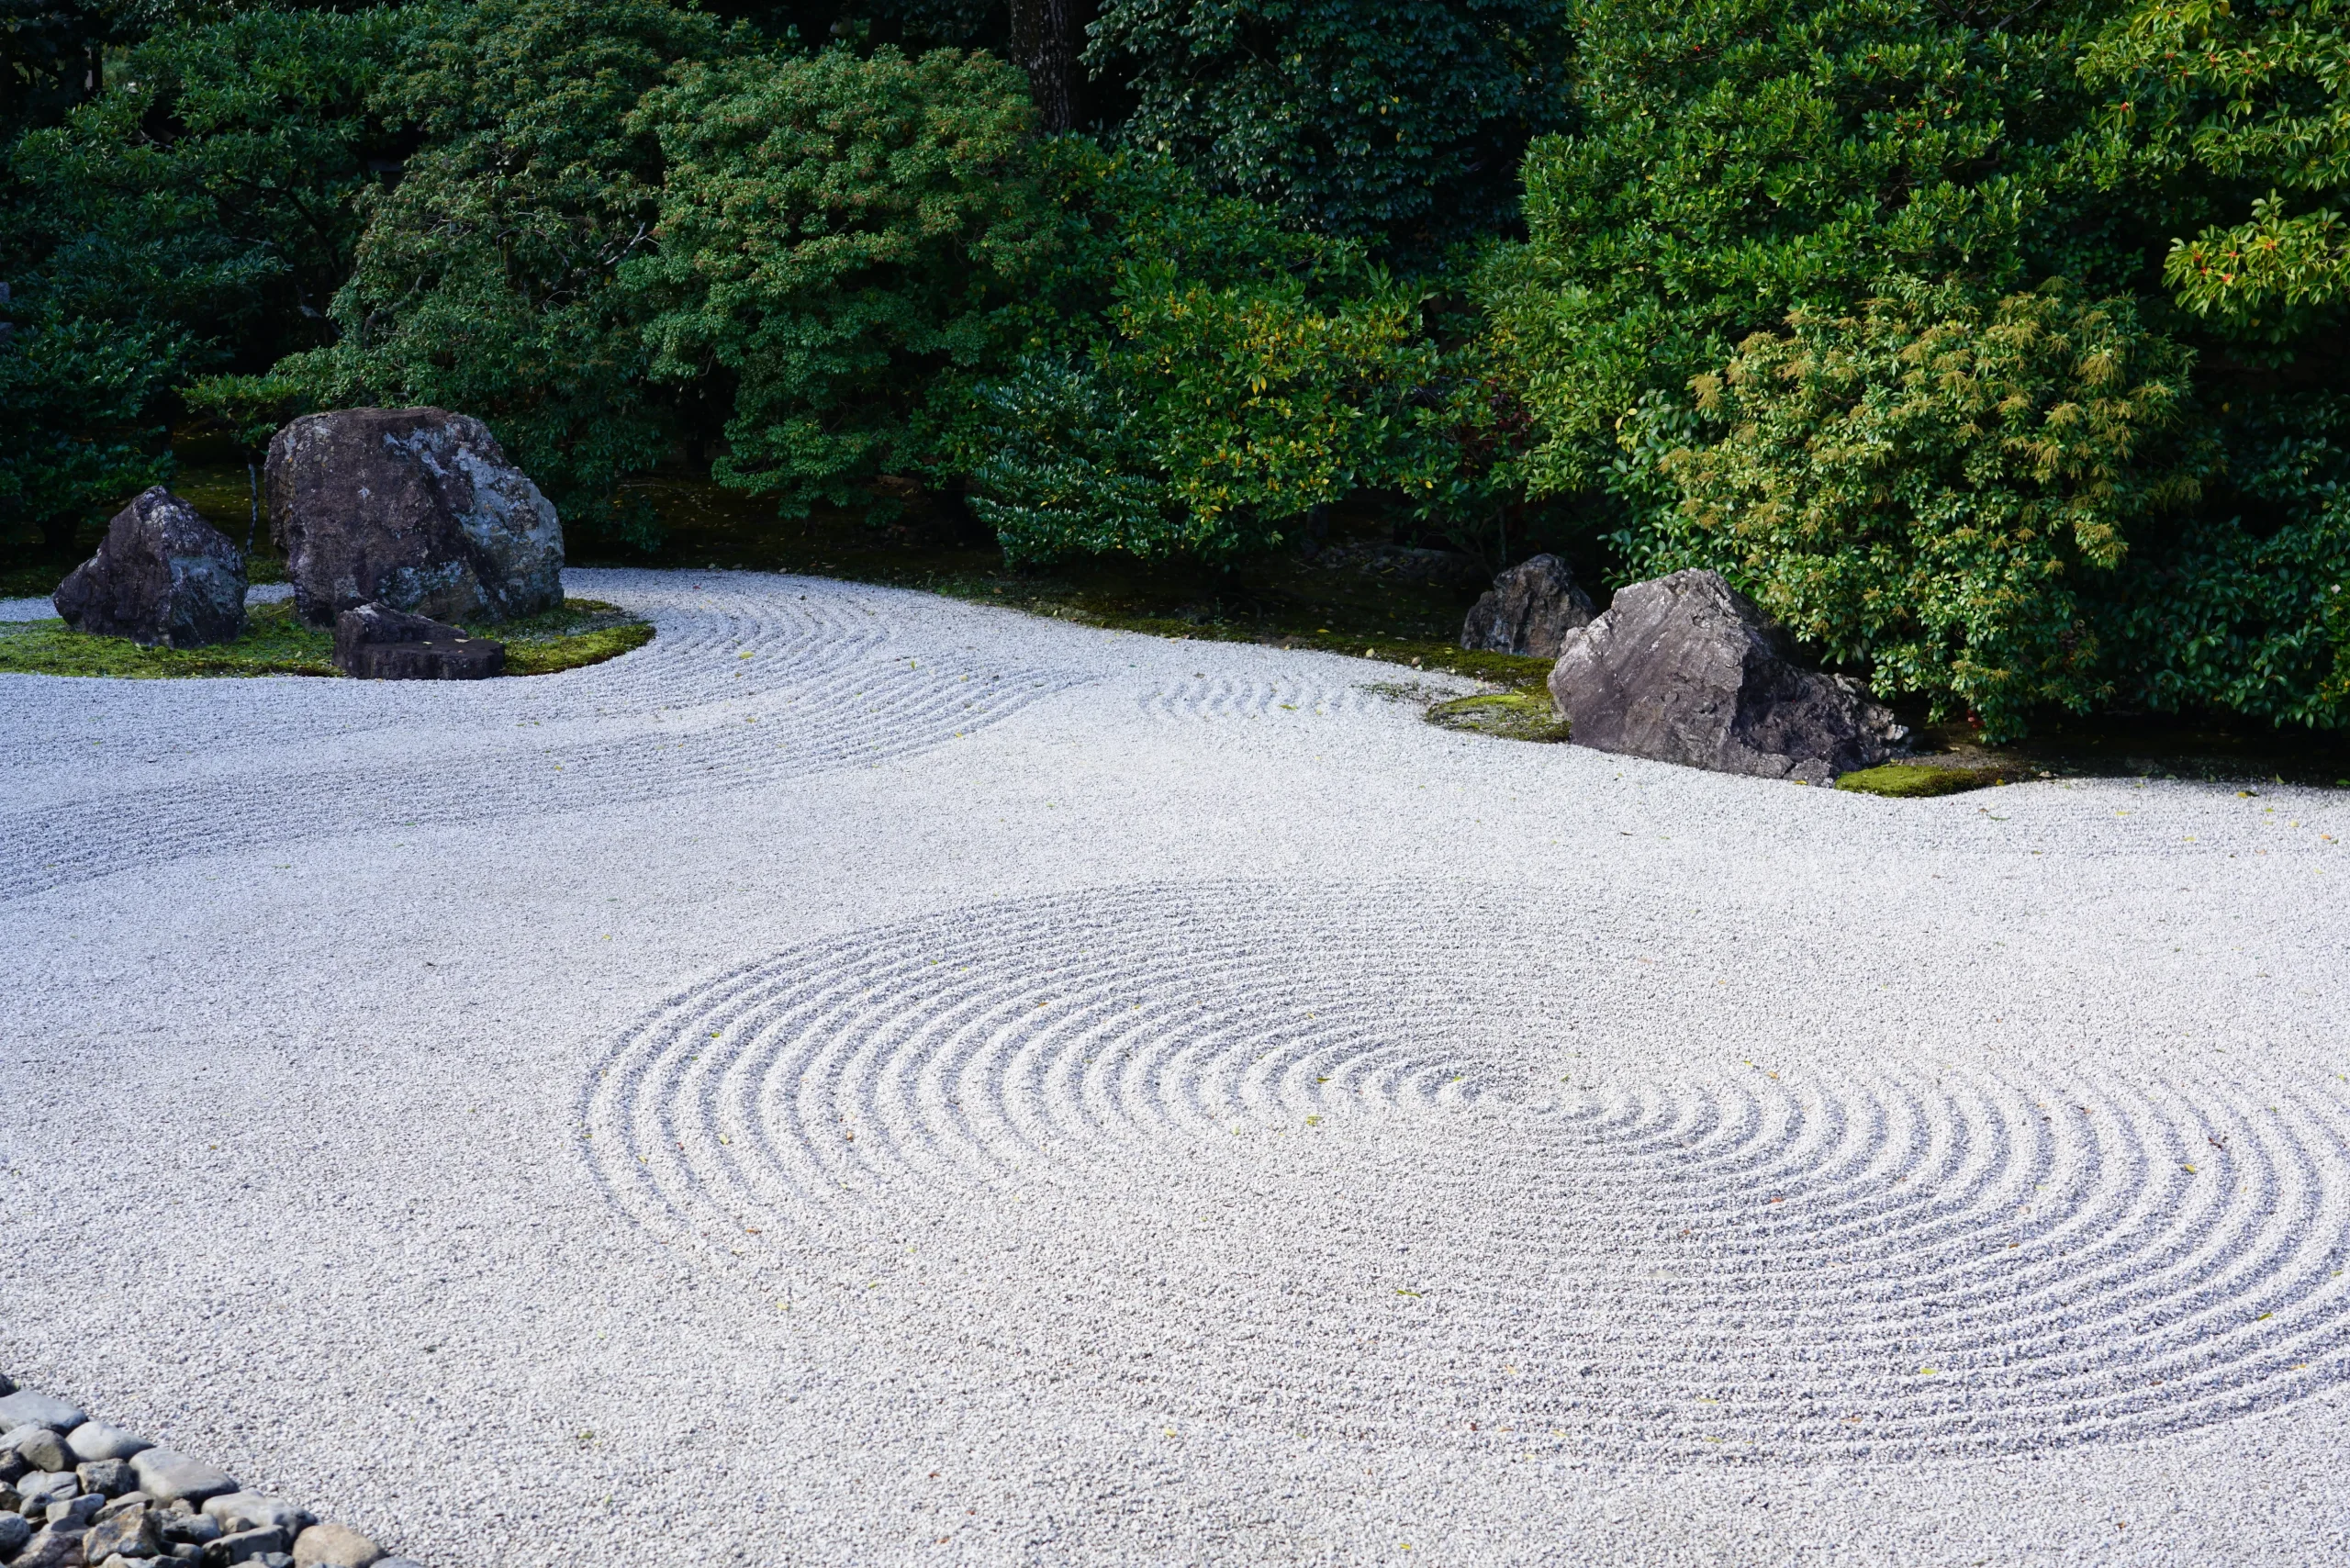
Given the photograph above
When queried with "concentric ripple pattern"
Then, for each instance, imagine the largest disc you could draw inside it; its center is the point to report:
(748, 679)
(1138, 1144)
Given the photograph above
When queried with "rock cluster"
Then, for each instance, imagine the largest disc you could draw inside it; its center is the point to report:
(415, 509)
(375, 643)
(162, 575)
(1529, 609)
(1686, 669)
(79, 1494)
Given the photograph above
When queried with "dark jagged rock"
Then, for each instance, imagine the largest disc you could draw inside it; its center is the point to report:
(1686, 669)
(1529, 609)
(162, 575)
(416, 509)
(375, 643)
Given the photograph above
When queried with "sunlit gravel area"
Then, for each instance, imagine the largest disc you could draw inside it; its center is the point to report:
(869, 1079)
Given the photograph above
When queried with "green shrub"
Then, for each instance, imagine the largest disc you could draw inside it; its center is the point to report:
(838, 238)
(75, 437)
(1395, 121)
(1938, 491)
(1200, 379)
(1734, 159)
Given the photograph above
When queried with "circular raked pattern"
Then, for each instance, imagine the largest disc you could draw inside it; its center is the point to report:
(748, 681)
(1239, 1154)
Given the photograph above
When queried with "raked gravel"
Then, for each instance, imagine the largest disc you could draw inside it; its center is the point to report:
(870, 1080)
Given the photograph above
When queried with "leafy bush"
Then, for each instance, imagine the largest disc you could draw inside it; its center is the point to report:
(1198, 378)
(205, 200)
(2249, 102)
(1733, 160)
(1400, 121)
(2247, 608)
(74, 440)
(1939, 491)
(837, 236)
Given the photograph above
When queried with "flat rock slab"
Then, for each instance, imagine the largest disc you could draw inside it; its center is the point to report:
(376, 642)
(26, 1408)
(416, 509)
(94, 1440)
(162, 575)
(164, 1474)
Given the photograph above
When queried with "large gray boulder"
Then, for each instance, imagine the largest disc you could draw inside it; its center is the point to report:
(1686, 669)
(1529, 609)
(162, 575)
(416, 509)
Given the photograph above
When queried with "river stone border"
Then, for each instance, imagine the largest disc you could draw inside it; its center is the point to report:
(75, 1492)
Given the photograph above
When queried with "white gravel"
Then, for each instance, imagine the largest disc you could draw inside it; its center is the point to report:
(868, 1079)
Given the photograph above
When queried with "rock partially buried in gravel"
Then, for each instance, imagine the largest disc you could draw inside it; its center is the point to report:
(413, 508)
(96, 1441)
(1529, 609)
(251, 1510)
(26, 1408)
(334, 1546)
(162, 575)
(164, 1474)
(377, 643)
(1686, 669)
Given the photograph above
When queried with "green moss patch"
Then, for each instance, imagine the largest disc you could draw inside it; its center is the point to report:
(1509, 715)
(582, 632)
(1916, 780)
(276, 642)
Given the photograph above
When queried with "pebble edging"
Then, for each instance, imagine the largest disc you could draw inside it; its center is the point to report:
(79, 1494)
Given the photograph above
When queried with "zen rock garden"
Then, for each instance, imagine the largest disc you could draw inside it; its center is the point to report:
(395, 524)
(77, 1492)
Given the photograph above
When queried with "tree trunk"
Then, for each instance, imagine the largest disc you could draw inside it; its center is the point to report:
(1046, 37)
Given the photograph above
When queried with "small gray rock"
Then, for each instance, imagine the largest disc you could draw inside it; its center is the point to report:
(5, 1385)
(190, 1529)
(125, 1503)
(23, 1408)
(44, 1450)
(167, 1474)
(335, 1546)
(96, 1441)
(128, 1532)
(244, 1546)
(251, 1510)
(15, 1530)
(275, 1559)
(40, 1488)
(75, 1513)
(51, 1549)
(108, 1477)
(1529, 609)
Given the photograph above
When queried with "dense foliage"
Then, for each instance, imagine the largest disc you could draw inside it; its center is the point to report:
(1388, 120)
(1999, 350)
